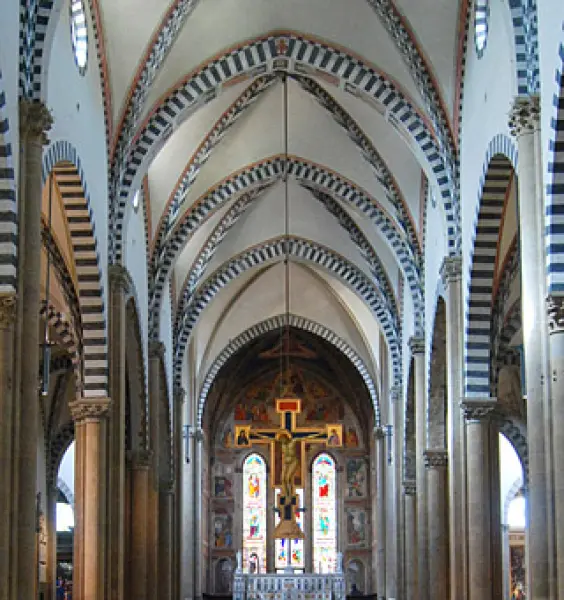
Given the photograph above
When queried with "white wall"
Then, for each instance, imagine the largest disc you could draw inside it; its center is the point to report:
(78, 118)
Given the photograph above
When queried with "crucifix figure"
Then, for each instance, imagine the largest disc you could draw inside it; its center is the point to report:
(289, 437)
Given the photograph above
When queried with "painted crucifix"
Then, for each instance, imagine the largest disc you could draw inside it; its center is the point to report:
(287, 445)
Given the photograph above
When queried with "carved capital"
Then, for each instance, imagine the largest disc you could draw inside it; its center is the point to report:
(409, 487)
(379, 433)
(451, 269)
(479, 409)
(35, 121)
(524, 116)
(416, 345)
(119, 278)
(89, 409)
(167, 487)
(156, 349)
(7, 310)
(142, 459)
(179, 395)
(555, 312)
(395, 393)
(435, 459)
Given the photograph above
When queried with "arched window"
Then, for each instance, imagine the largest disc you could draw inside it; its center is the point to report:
(295, 548)
(324, 498)
(254, 514)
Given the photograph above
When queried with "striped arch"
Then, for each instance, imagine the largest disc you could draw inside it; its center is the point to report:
(8, 211)
(273, 324)
(254, 57)
(516, 432)
(555, 189)
(62, 159)
(274, 250)
(205, 255)
(308, 174)
(502, 352)
(247, 98)
(67, 336)
(499, 166)
(525, 28)
(57, 448)
(66, 492)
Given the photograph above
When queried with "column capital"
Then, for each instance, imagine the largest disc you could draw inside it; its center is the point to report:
(89, 409)
(35, 120)
(417, 345)
(179, 395)
(379, 433)
(142, 459)
(409, 487)
(7, 310)
(156, 349)
(478, 409)
(451, 269)
(555, 312)
(524, 116)
(395, 393)
(435, 459)
(119, 277)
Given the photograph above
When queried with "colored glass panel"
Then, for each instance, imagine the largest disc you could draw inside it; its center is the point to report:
(254, 515)
(296, 546)
(324, 514)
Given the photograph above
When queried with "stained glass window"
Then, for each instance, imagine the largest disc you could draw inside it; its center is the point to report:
(324, 514)
(254, 515)
(294, 547)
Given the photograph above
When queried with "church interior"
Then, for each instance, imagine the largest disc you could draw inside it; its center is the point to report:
(281, 299)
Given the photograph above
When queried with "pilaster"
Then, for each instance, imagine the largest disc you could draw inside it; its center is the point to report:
(119, 286)
(524, 123)
(35, 122)
(380, 447)
(451, 273)
(477, 414)
(417, 347)
(436, 464)
(555, 313)
(141, 465)
(179, 395)
(410, 538)
(7, 321)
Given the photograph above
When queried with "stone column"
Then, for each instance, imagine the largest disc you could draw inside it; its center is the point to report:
(7, 320)
(417, 347)
(506, 564)
(410, 540)
(156, 352)
(556, 328)
(197, 507)
(451, 273)
(88, 413)
(524, 125)
(35, 121)
(479, 498)
(380, 447)
(165, 550)
(120, 284)
(394, 583)
(179, 462)
(436, 462)
(139, 538)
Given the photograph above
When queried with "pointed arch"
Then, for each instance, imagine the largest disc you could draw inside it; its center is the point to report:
(498, 169)
(298, 50)
(63, 161)
(276, 323)
(275, 250)
(312, 176)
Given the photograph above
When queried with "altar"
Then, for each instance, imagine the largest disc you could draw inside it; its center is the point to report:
(289, 586)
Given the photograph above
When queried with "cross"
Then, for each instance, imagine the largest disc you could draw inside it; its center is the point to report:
(289, 436)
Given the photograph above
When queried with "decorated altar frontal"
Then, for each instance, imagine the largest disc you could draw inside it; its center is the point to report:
(289, 586)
